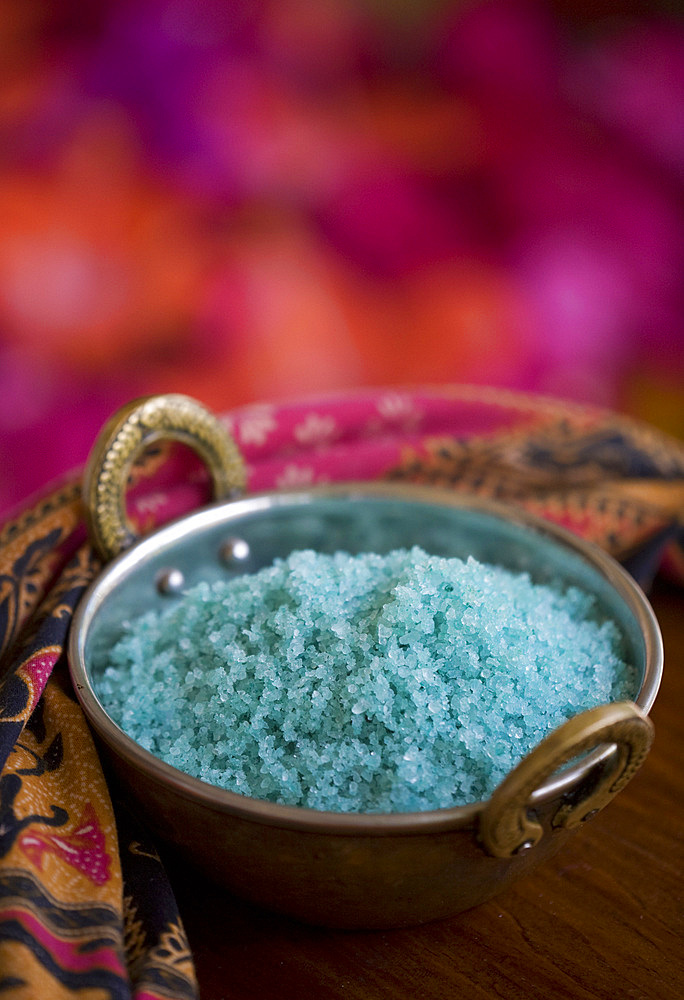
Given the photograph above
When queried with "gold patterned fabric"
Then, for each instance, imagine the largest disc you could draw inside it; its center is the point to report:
(77, 918)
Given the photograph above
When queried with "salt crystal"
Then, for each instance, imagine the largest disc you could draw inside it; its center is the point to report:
(362, 683)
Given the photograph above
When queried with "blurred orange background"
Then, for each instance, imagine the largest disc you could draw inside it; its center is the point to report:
(257, 200)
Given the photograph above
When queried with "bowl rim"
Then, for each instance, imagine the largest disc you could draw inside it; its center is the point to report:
(320, 821)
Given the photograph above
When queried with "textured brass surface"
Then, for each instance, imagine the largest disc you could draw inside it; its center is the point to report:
(129, 431)
(506, 826)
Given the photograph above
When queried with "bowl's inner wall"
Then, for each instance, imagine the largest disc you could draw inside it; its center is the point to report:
(276, 526)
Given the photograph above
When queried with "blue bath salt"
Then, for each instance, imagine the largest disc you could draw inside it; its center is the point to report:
(366, 683)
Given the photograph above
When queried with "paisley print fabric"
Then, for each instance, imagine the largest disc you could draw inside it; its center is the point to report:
(86, 909)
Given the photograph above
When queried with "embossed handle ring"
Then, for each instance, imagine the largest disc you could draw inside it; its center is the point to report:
(506, 826)
(125, 436)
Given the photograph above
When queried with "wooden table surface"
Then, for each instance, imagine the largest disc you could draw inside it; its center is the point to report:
(602, 919)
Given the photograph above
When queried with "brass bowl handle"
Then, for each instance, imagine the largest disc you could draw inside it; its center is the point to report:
(122, 439)
(506, 826)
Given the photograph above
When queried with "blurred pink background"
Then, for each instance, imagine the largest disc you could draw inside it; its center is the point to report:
(250, 201)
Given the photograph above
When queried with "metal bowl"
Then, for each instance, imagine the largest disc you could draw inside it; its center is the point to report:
(369, 870)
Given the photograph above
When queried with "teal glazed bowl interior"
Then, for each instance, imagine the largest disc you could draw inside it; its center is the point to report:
(348, 869)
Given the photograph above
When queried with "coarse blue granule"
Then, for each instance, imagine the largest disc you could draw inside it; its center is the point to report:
(363, 683)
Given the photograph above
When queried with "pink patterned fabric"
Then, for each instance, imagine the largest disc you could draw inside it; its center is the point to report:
(608, 478)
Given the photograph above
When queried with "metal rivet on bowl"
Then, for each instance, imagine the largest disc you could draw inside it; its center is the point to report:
(527, 845)
(234, 550)
(592, 812)
(169, 581)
